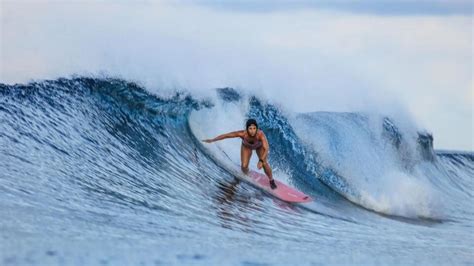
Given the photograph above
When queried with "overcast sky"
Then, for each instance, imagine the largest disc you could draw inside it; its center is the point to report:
(410, 57)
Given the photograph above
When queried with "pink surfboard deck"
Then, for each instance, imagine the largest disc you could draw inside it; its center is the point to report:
(283, 191)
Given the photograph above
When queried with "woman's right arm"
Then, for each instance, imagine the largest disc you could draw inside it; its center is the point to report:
(234, 134)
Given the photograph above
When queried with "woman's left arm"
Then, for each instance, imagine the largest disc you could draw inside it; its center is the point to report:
(266, 147)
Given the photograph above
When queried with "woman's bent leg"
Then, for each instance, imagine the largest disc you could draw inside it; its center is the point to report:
(245, 154)
(266, 165)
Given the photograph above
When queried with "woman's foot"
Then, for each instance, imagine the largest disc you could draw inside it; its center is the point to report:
(272, 184)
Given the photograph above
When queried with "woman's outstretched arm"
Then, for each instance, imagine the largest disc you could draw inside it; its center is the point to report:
(234, 134)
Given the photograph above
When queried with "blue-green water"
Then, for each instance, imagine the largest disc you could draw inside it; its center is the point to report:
(99, 171)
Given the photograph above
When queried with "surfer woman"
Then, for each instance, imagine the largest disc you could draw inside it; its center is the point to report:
(252, 139)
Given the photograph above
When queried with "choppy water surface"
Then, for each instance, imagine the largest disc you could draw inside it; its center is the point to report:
(100, 171)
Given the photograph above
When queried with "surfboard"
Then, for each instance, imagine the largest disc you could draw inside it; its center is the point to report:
(283, 191)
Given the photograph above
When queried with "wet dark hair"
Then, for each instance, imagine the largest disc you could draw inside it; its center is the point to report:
(250, 122)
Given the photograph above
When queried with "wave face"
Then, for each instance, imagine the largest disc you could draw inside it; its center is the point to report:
(102, 171)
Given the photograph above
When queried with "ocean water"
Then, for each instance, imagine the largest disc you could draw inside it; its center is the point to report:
(99, 171)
